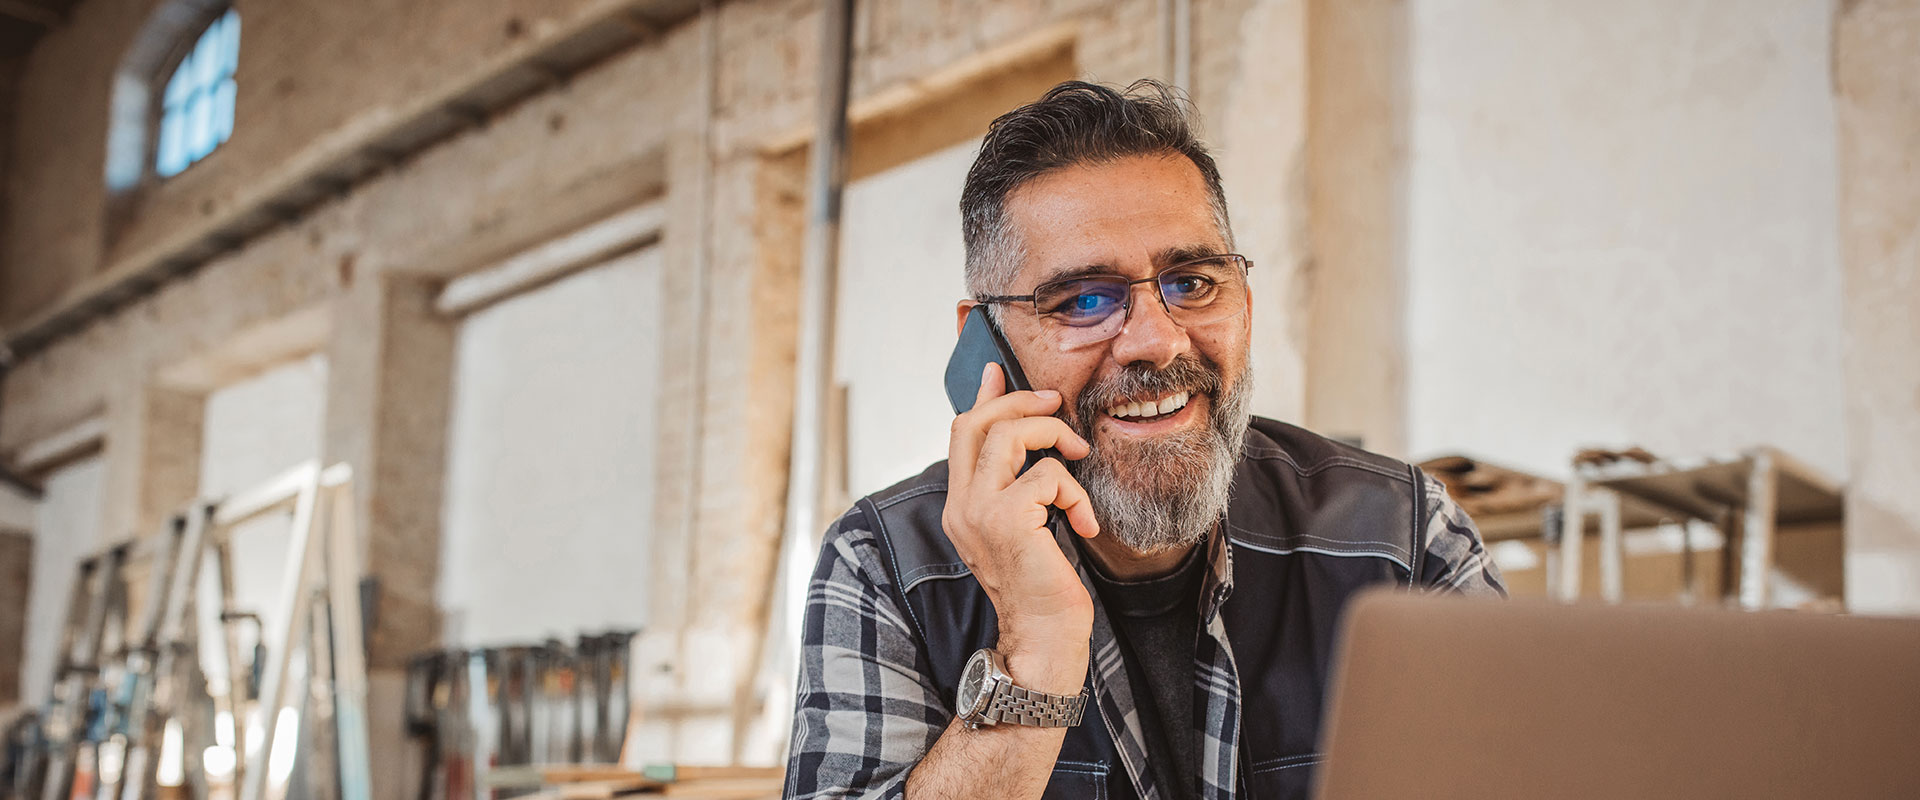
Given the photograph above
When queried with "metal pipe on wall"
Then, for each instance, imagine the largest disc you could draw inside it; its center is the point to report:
(826, 177)
(1183, 44)
(1176, 42)
(813, 377)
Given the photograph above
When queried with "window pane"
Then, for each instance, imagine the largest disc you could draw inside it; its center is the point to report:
(199, 126)
(206, 58)
(180, 85)
(172, 156)
(230, 31)
(222, 112)
(199, 98)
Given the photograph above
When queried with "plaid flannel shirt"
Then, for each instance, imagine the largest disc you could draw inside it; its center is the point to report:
(867, 710)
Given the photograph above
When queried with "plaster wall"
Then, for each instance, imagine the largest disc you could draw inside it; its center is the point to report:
(1622, 231)
(1877, 92)
(624, 132)
(293, 100)
(253, 431)
(549, 498)
(66, 529)
(901, 270)
(16, 587)
(260, 427)
(17, 509)
(17, 512)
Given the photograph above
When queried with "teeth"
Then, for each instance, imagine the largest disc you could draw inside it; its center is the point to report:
(1151, 408)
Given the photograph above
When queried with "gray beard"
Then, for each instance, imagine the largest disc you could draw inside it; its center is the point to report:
(1166, 493)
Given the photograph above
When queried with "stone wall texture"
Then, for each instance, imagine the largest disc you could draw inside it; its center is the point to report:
(710, 117)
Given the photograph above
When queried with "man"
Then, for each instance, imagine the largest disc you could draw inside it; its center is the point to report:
(1183, 614)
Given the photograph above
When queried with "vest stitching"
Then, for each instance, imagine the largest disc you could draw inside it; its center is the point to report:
(1082, 767)
(893, 564)
(1305, 757)
(904, 496)
(1391, 547)
(1270, 768)
(1322, 465)
(1419, 508)
(949, 569)
(1393, 557)
(924, 578)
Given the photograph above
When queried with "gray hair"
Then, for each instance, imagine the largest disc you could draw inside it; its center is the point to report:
(1074, 123)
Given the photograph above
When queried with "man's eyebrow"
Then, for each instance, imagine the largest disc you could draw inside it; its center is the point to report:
(1080, 271)
(1161, 260)
(1175, 255)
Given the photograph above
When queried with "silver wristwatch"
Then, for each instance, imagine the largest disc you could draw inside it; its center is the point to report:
(987, 696)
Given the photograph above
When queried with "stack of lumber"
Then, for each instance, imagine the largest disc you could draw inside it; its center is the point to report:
(599, 781)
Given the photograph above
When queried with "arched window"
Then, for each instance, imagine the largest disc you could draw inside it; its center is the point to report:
(196, 112)
(172, 96)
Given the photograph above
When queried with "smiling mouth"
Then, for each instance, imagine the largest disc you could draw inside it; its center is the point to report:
(1150, 409)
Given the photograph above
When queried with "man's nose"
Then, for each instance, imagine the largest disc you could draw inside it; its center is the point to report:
(1149, 335)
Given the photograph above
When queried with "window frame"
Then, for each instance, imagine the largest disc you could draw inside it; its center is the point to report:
(155, 53)
(163, 85)
(172, 30)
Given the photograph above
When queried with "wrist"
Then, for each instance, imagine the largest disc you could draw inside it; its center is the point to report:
(1055, 663)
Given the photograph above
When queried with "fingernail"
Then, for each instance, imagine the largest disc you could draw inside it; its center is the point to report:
(1048, 393)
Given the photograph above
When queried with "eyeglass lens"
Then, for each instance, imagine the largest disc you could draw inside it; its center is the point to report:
(1091, 309)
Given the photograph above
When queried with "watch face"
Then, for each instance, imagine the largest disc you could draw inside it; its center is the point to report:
(971, 682)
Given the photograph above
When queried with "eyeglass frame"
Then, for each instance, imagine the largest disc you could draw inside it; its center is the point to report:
(1246, 266)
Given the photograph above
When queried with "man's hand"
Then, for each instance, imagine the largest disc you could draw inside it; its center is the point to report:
(997, 520)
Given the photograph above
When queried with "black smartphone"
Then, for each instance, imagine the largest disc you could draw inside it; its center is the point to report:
(981, 344)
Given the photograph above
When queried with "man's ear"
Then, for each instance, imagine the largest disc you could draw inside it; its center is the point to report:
(960, 310)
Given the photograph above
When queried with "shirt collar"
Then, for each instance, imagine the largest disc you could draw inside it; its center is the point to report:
(1218, 584)
(1215, 587)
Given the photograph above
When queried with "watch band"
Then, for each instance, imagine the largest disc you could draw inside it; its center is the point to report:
(1038, 709)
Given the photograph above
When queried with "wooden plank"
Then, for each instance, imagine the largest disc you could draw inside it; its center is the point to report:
(728, 789)
(546, 774)
(604, 790)
(671, 773)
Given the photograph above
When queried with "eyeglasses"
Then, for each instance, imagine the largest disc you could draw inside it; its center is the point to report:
(1095, 308)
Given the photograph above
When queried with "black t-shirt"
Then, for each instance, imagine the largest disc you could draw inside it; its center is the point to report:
(1157, 621)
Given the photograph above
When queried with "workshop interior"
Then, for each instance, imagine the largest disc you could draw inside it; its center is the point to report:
(438, 399)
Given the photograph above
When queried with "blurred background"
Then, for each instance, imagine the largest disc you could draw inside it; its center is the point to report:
(554, 279)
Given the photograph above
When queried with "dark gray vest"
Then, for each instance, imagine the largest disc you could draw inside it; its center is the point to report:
(1311, 522)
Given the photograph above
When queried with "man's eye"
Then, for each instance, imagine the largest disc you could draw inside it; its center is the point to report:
(1191, 286)
(1084, 305)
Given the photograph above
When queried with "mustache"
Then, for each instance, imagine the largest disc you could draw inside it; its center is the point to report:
(1188, 372)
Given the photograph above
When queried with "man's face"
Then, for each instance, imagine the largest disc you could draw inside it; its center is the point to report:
(1133, 217)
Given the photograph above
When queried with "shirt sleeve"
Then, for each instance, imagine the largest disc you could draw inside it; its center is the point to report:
(1456, 558)
(866, 710)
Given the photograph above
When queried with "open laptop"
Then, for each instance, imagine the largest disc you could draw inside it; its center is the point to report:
(1453, 698)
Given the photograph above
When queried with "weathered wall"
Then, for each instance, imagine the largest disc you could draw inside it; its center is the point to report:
(66, 529)
(633, 129)
(254, 430)
(293, 99)
(1877, 89)
(901, 270)
(549, 481)
(624, 132)
(1358, 101)
(16, 585)
(1622, 231)
(17, 512)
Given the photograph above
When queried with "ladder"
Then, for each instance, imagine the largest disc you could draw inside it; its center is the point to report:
(118, 686)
